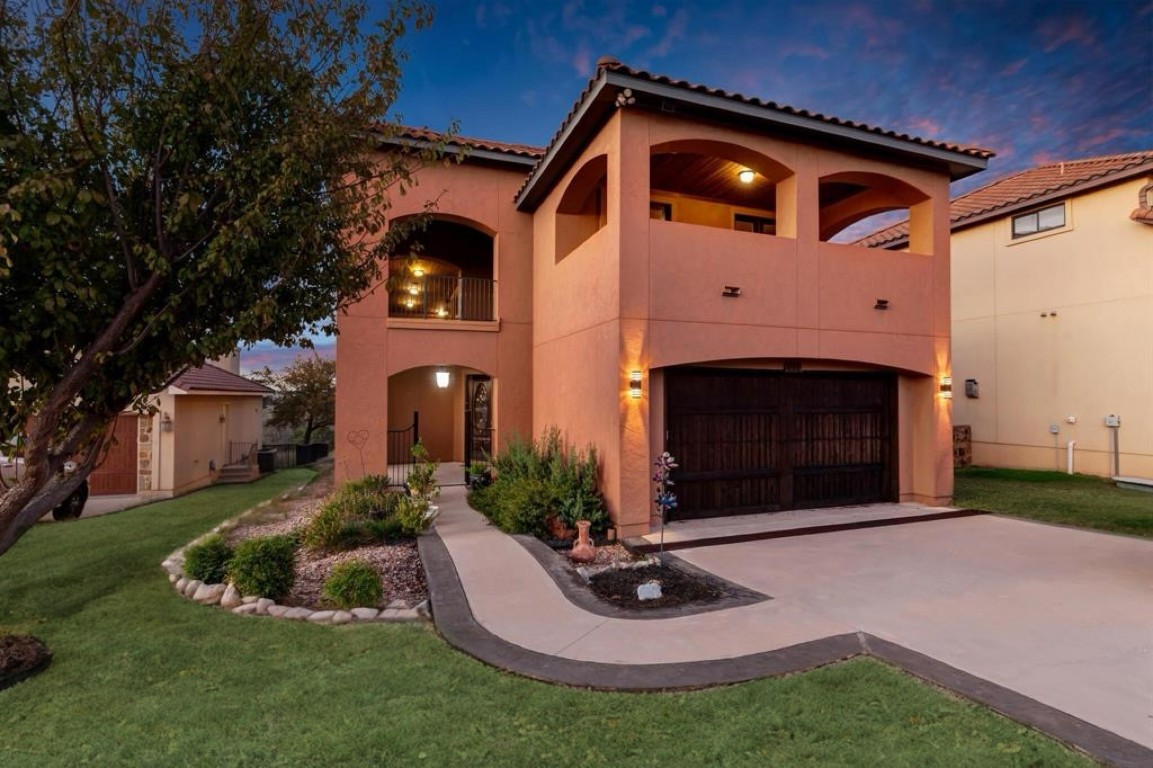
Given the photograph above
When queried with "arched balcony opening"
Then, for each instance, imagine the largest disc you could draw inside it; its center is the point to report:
(723, 185)
(583, 209)
(443, 272)
(855, 204)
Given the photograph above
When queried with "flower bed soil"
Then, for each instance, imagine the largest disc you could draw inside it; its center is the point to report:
(678, 587)
(21, 657)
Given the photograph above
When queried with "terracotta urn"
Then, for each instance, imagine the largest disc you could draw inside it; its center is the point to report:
(583, 551)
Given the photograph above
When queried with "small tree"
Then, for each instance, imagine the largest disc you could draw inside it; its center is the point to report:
(306, 394)
(177, 178)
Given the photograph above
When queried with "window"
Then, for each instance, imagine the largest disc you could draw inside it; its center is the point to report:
(743, 222)
(660, 211)
(1043, 220)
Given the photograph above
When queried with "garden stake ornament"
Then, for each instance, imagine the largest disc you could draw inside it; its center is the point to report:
(665, 498)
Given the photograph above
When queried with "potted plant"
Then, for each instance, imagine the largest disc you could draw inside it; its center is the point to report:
(479, 475)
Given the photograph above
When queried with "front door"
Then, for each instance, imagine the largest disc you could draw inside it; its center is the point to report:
(477, 419)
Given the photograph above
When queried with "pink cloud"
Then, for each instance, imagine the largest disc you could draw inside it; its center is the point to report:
(1056, 32)
(1012, 68)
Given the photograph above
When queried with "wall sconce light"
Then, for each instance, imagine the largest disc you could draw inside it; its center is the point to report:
(731, 291)
(166, 422)
(881, 304)
(414, 289)
(635, 384)
(747, 175)
(441, 312)
(442, 378)
(409, 303)
(945, 388)
(418, 271)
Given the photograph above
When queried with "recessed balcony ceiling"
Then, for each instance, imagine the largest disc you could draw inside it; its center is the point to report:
(712, 178)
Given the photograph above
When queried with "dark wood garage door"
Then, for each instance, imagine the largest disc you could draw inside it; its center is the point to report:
(117, 473)
(762, 441)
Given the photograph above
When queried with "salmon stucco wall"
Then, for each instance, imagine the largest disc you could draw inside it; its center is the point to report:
(1054, 329)
(371, 348)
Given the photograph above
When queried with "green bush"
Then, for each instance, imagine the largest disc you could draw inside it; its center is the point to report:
(413, 515)
(541, 480)
(264, 566)
(354, 584)
(344, 519)
(208, 560)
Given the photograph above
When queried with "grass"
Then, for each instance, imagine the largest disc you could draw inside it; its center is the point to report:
(1085, 501)
(142, 677)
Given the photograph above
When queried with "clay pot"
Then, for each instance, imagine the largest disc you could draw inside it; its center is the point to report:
(583, 551)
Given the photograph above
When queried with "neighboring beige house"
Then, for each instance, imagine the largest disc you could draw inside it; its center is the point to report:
(206, 429)
(1052, 278)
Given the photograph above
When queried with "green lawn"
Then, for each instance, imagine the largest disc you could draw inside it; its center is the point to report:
(142, 677)
(1055, 497)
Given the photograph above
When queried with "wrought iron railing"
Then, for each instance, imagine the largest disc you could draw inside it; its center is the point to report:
(400, 445)
(242, 453)
(444, 297)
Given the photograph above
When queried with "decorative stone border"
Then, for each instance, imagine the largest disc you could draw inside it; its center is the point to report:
(228, 597)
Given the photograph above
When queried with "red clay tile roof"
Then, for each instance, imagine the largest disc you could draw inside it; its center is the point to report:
(429, 135)
(212, 379)
(608, 64)
(1025, 189)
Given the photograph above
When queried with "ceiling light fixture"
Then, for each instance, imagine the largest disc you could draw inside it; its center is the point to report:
(746, 176)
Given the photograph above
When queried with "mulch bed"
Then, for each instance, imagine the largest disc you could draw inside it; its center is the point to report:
(619, 587)
(21, 657)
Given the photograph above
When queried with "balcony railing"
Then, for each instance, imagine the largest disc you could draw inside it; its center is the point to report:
(436, 297)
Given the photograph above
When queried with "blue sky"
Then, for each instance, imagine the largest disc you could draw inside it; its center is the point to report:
(1034, 81)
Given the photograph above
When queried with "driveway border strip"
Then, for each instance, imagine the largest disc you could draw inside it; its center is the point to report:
(455, 622)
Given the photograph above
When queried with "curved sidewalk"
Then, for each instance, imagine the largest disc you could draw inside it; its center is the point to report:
(494, 601)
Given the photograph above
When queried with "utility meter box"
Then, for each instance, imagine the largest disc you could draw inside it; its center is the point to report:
(972, 389)
(1113, 420)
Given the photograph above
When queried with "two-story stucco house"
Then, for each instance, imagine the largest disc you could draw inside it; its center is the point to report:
(1053, 316)
(662, 277)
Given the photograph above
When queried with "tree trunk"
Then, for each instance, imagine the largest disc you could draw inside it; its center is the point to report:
(308, 432)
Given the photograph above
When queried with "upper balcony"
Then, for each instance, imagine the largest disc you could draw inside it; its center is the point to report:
(443, 277)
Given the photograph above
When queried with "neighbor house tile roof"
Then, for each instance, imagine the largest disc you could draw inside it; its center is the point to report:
(734, 102)
(1026, 189)
(433, 137)
(209, 378)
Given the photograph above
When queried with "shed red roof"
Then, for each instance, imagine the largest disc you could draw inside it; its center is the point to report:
(1025, 189)
(209, 378)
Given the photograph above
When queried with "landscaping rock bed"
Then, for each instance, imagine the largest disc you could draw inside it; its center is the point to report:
(678, 587)
(405, 590)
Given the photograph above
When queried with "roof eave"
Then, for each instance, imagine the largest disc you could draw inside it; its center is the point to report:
(595, 105)
(469, 153)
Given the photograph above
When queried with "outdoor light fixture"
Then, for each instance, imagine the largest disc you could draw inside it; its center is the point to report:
(442, 378)
(409, 303)
(881, 304)
(166, 422)
(731, 291)
(414, 289)
(418, 271)
(945, 388)
(747, 175)
(635, 384)
(441, 312)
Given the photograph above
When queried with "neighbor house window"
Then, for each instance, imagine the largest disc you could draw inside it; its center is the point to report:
(743, 222)
(1043, 220)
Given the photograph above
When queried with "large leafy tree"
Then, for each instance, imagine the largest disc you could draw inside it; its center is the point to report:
(305, 394)
(177, 177)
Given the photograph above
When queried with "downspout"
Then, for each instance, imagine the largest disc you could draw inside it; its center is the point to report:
(1069, 456)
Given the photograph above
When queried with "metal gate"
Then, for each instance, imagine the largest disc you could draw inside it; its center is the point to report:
(761, 441)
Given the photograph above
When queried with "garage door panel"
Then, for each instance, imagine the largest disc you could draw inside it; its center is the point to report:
(751, 441)
(117, 472)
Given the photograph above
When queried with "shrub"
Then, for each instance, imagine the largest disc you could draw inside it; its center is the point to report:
(343, 520)
(541, 480)
(414, 514)
(264, 566)
(208, 560)
(422, 480)
(353, 584)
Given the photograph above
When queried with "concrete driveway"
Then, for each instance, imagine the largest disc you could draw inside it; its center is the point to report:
(1060, 615)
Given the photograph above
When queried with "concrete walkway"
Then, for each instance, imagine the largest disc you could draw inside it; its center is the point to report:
(1052, 618)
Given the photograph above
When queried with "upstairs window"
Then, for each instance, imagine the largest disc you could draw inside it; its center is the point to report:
(1041, 220)
(762, 225)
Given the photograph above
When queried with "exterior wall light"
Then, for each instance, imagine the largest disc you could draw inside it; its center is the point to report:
(635, 384)
(747, 175)
(166, 422)
(441, 312)
(945, 388)
(881, 304)
(418, 271)
(442, 378)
